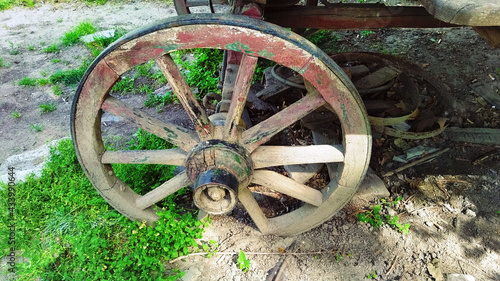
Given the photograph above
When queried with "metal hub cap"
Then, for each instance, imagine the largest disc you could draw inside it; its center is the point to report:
(217, 169)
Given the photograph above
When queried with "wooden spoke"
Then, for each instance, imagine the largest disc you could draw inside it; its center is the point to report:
(186, 97)
(178, 136)
(268, 156)
(246, 198)
(162, 191)
(239, 98)
(175, 157)
(265, 130)
(287, 186)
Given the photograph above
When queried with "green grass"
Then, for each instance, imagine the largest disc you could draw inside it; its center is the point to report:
(47, 107)
(13, 49)
(326, 39)
(56, 89)
(15, 114)
(68, 232)
(2, 64)
(73, 36)
(54, 48)
(69, 77)
(376, 219)
(28, 82)
(55, 60)
(203, 71)
(31, 47)
(36, 127)
(43, 82)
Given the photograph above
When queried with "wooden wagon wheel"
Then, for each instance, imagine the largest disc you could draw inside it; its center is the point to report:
(220, 157)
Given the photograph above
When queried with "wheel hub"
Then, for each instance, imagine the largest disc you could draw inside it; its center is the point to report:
(217, 169)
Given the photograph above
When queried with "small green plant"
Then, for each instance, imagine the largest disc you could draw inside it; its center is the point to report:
(13, 49)
(99, 43)
(375, 219)
(160, 100)
(243, 262)
(69, 77)
(203, 71)
(124, 86)
(55, 60)
(27, 82)
(54, 48)
(2, 64)
(31, 47)
(211, 248)
(366, 33)
(36, 127)
(47, 107)
(15, 114)
(372, 275)
(56, 89)
(43, 82)
(71, 37)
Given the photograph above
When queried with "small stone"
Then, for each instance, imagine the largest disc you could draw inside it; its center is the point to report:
(460, 277)
(470, 213)
(429, 223)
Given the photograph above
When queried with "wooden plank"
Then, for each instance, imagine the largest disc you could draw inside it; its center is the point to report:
(269, 156)
(178, 136)
(465, 12)
(265, 130)
(377, 78)
(183, 92)
(175, 157)
(169, 187)
(239, 98)
(353, 16)
(490, 33)
(287, 186)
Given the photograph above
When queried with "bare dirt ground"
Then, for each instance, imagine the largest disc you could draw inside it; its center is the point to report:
(451, 204)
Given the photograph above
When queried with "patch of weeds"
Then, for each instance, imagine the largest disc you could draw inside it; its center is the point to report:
(366, 33)
(98, 2)
(47, 107)
(145, 69)
(372, 275)
(31, 47)
(160, 100)
(69, 77)
(55, 60)
(211, 248)
(13, 49)
(376, 219)
(2, 64)
(124, 86)
(243, 262)
(54, 48)
(43, 73)
(326, 39)
(59, 20)
(203, 71)
(56, 89)
(78, 236)
(43, 82)
(71, 37)
(100, 43)
(146, 89)
(36, 127)
(28, 82)
(15, 114)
